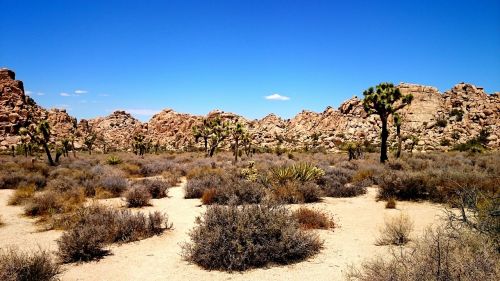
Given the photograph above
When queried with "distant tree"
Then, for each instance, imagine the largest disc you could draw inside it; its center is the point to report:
(246, 142)
(66, 144)
(40, 134)
(213, 131)
(384, 100)
(140, 144)
(237, 132)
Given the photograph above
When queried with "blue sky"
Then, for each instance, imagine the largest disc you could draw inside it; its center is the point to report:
(93, 57)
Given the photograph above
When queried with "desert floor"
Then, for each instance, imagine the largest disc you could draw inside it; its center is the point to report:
(352, 241)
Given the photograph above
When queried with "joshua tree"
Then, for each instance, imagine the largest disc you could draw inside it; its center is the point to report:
(140, 144)
(214, 132)
(66, 144)
(237, 131)
(384, 100)
(89, 140)
(40, 134)
(157, 146)
(246, 142)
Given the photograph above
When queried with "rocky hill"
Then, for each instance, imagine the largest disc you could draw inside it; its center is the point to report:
(434, 120)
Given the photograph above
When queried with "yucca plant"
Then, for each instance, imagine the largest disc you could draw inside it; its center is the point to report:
(114, 160)
(297, 172)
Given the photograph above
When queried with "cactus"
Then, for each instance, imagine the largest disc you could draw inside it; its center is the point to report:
(384, 100)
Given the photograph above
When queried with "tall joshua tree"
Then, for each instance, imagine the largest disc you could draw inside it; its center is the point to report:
(384, 100)
(89, 141)
(237, 132)
(40, 134)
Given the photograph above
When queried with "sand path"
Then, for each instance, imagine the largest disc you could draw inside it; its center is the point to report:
(158, 258)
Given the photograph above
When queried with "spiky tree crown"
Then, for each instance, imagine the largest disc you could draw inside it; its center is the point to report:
(383, 99)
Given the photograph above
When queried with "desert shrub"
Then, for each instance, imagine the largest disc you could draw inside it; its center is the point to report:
(157, 188)
(171, 177)
(396, 231)
(113, 160)
(22, 195)
(438, 255)
(403, 186)
(16, 265)
(236, 192)
(115, 184)
(313, 219)
(391, 203)
(198, 183)
(441, 121)
(459, 113)
(138, 197)
(296, 192)
(96, 226)
(242, 237)
(62, 184)
(12, 179)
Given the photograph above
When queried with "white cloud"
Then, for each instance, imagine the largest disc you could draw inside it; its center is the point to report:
(80, 92)
(104, 95)
(40, 94)
(277, 97)
(28, 93)
(64, 94)
(142, 111)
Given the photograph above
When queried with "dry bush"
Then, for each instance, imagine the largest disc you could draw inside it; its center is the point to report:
(241, 237)
(22, 195)
(115, 184)
(296, 192)
(237, 192)
(95, 227)
(396, 231)
(157, 188)
(16, 265)
(200, 182)
(138, 197)
(313, 219)
(337, 183)
(391, 203)
(438, 255)
(50, 202)
(172, 178)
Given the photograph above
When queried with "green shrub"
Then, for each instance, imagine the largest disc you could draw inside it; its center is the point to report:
(19, 266)
(242, 237)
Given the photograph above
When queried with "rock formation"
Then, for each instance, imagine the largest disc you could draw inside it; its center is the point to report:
(436, 120)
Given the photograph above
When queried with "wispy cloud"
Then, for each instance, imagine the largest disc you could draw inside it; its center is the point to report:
(104, 95)
(40, 94)
(64, 94)
(28, 93)
(80, 92)
(277, 97)
(142, 111)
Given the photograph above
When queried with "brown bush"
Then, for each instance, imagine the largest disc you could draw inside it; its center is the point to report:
(208, 196)
(157, 188)
(138, 197)
(17, 265)
(313, 219)
(50, 203)
(242, 237)
(391, 203)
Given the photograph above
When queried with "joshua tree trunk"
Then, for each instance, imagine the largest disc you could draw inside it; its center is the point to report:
(383, 144)
(73, 148)
(236, 146)
(49, 156)
(398, 133)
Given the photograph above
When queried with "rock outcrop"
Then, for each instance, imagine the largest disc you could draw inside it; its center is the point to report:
(436, 120)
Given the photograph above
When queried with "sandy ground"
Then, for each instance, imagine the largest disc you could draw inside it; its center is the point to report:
(158, 258)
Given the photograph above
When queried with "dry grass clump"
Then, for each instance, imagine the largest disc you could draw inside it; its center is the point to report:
(438, 255)
(16, 266)
(396, 231)
(242, 237)
(138, 196)
(96, 227)
(313, 219)
(49, 203)
(22, 195)
(296, 192)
